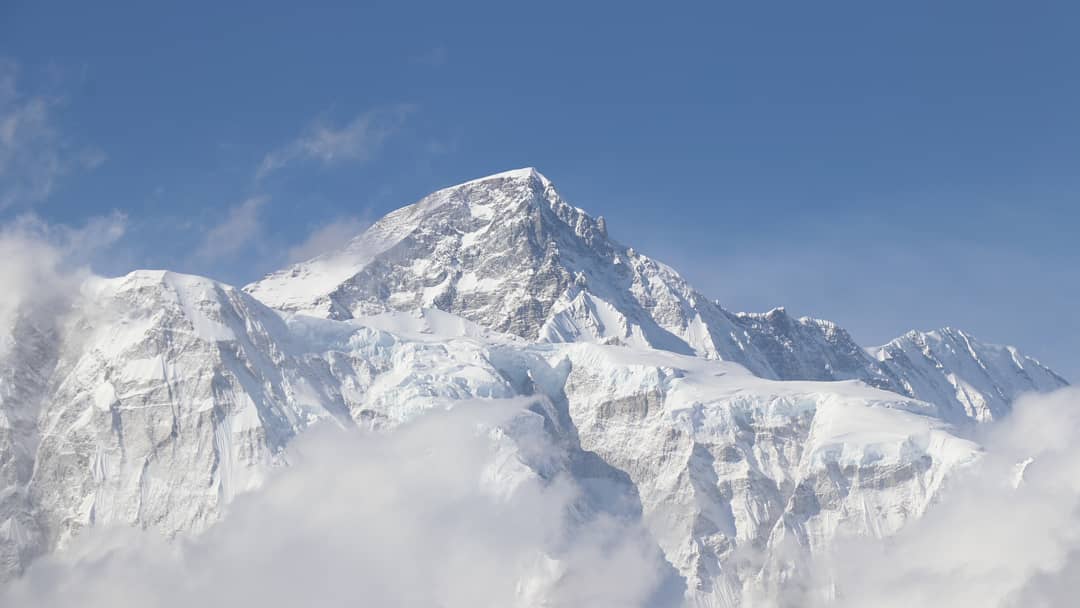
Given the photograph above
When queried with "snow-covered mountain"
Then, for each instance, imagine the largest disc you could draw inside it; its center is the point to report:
(967, 378)
(153, 399)
(509, 253)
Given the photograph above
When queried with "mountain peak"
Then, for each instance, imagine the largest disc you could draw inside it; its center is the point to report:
(508, 253)
(463, 241)
(968, 378)
(524, 173)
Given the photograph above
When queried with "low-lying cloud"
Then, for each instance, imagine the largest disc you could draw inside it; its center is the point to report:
(1004, 534)
(440, 512)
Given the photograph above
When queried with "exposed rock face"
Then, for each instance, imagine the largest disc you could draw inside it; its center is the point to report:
(812, 349)
(155, 398)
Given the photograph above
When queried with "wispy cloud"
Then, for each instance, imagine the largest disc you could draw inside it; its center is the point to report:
(326, 238)
(33, 152)
(241, 226)
(358, 140)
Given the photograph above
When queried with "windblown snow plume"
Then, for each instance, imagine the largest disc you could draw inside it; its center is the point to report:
(43, 265)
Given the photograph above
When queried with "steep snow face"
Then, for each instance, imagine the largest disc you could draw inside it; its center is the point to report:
(152, 402)
(968, 379)
(25, 368)
(726, 463)
(160, 396)
(168, 395)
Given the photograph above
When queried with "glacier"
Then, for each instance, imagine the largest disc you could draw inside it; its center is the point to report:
(154, 399)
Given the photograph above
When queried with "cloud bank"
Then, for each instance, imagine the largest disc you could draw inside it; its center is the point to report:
(1005, 534)
(441, 512)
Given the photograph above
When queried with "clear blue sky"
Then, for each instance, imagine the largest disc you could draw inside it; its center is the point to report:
(885, 165)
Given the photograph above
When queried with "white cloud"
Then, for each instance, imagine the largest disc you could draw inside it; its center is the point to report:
(408, 519)
(326, 238)
(356, 141)
(1006, 534)
(42, 268)
(33, 153)
(242, 225)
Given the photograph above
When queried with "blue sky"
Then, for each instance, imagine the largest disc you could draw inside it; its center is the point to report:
(889, 166)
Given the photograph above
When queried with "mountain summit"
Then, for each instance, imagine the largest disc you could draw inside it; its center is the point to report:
(509, 253)
(500, 250)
